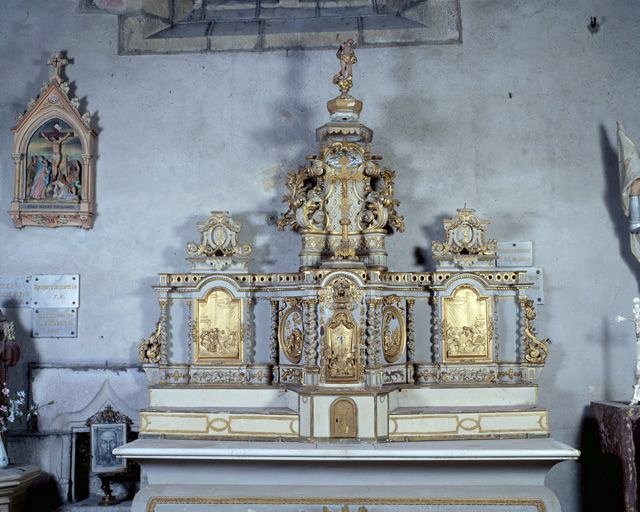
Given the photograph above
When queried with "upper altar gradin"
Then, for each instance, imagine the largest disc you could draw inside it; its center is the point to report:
(342, 202)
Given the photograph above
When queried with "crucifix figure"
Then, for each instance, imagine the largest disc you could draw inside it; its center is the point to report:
(57, 138)
(57, 61)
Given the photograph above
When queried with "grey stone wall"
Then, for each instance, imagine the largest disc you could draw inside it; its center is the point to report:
(518, 122)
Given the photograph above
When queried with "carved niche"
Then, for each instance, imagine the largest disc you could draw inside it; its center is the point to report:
(53, 153)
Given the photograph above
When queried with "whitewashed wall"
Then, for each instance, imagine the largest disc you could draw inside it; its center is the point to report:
(181, 135)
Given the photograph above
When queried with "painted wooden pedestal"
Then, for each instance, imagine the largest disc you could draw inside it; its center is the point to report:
(429, 476)
(14, 482)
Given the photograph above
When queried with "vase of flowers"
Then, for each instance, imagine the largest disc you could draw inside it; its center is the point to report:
(13, 409)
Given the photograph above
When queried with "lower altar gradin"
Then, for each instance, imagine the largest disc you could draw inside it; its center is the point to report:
(345, 384)
(198, 476)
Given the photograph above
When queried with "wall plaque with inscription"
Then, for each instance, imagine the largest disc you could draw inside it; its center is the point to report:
(55, 291)
(54, 323)
(15, 291)
(515, 254)
(54, 299)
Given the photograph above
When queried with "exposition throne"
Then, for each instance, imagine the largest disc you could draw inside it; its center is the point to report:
(344, 384)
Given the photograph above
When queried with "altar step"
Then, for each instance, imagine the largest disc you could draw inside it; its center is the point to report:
(407, 396)
(428, 423)
(423, 424)
(395, 414)
(234, 423)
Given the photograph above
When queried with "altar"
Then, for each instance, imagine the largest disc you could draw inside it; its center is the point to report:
(345, 384)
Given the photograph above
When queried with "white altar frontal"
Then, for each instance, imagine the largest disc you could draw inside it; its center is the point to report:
(345, 386)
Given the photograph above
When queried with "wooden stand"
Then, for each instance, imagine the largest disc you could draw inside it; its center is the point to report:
(618, 429)
(14, 482)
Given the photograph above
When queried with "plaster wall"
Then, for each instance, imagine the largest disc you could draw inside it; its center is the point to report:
(518, 122)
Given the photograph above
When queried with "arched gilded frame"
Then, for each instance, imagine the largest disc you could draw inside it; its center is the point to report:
(467, 326)
(218, 329)
(290, 337)
(394, 333)
(341, 355)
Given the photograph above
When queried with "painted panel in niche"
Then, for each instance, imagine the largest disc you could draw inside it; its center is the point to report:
(218, 328)
(54, 163)
(341, 349)
(394, 336)
(290, 335)
(467, 329)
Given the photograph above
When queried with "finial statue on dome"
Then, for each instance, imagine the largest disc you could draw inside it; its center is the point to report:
(347, 56)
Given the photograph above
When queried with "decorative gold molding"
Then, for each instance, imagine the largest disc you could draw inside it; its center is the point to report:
(149, 349)
(220, 425)
(535, 349)
(340, 293)
(156, 501)
(469, 425)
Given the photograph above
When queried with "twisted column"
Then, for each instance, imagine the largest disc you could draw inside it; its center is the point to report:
(310, 332)
(411, 330)
(273, 342)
